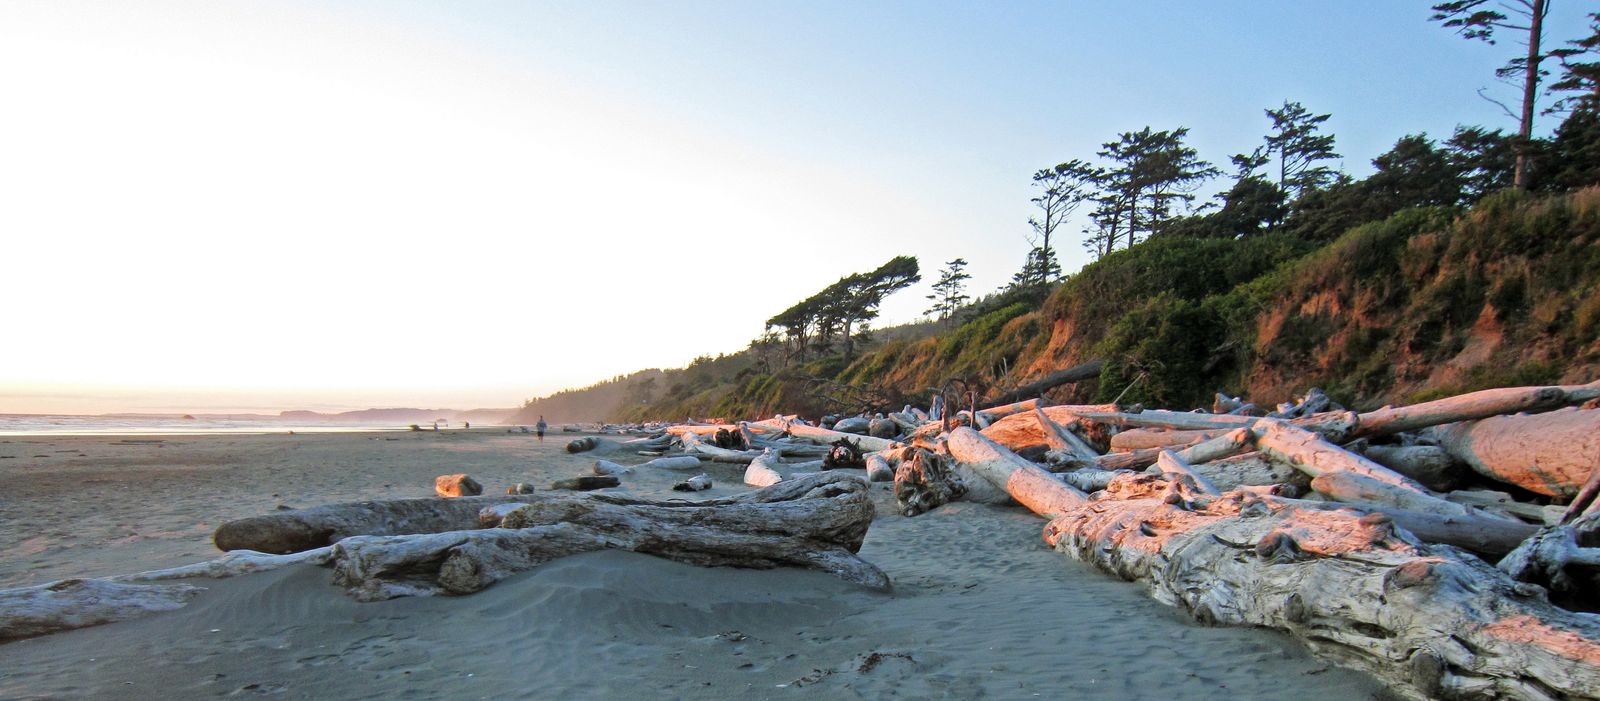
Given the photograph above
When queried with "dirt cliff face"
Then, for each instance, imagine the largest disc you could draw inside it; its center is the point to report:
(1425, 304)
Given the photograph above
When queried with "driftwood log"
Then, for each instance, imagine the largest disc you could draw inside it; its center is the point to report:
(1476, 405)
(1355, 586)
(319, 526)
(817, 521)
(1076, 373)
(1550, 453)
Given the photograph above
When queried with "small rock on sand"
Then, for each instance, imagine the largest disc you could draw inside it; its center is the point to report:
(456, 486)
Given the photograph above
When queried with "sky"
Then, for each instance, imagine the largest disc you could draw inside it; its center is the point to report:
(257, 206)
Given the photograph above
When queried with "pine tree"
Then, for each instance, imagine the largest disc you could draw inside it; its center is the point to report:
(949, 292)
(1299, 148)
(1473, 19)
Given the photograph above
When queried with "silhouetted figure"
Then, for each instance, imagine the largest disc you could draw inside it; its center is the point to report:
(540, 427)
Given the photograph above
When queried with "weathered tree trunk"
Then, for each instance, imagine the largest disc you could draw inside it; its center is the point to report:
(1251, 469)
(988, 416)
(1316, 457)
(817, 521)
(1173, 420)
(1351, 487)
(825, 436)
(1492, 501)
(78, 603)
(1138, 438)
(694, 446)
(1551, 453)
(1557, 558)
(1355, 588)
(1075, 373)
(1026, 482)
(1060, 438)
(680, 462)
(763, 471)
(1476, 405)
(307, 529)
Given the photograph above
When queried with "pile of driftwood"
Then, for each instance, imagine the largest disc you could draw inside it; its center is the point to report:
(1450, 547)
(1356, 532)
(406, 547)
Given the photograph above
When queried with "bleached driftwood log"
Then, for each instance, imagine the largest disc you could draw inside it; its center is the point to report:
(315, 527)
(679, 462)
(999, 468)
(1550, 453)
(231, 564)
(606, 467)
(985, 417)
(1023, 431)
(1137, 438)
(78, 603)
(1476, 405)
(1172, 420)
(1369, 481)
(693, 445)
(817, 521)
(1354, 586)
(763, 471)
(1252, 469)
(824, 436)
(1493, 501)
(1062, 439)
(1089, 480)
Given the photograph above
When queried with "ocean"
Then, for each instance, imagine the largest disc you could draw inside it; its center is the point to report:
(176, 425)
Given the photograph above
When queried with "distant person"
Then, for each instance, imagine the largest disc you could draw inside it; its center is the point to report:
(540, 427)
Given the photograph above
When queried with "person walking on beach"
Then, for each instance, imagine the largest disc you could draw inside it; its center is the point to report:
(540, 427)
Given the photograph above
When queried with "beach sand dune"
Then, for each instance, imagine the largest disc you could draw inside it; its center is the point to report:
(980, 609)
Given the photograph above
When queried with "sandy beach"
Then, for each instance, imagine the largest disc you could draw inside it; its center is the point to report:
(980, 607)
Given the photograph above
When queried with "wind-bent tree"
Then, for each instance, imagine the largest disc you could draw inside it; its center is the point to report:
(949, 292)
(1299, 149)
(1062, 189)
(1580, 64)
(1151, 172)
(1476, 19)
(867, 291)
(842, 308)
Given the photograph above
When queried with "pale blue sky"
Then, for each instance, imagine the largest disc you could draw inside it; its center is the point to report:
(219, 205)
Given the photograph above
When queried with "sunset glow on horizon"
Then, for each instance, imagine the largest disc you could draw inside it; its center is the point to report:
(255, 207)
